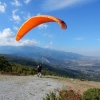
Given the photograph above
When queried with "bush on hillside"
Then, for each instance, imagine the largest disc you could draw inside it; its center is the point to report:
(51, 96)
(64, 95)
(91, 94)
(4, 64)
(69, 95)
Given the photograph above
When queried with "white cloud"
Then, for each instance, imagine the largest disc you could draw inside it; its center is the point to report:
(7, 37)
(81, 38)
(98, 39)
(2, 7)
(47, 35)
(48, 46)
(26, 43)
(51, 43)
(59, 4)
(42, 26)
(16, 3)
(6, 33)
(38, 14)
(15, 28)
(27, 1)
(15, 17)
(27, 16)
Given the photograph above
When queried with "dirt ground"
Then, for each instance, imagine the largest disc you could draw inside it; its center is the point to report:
(26, 87)
(81, 86)
(35, 88)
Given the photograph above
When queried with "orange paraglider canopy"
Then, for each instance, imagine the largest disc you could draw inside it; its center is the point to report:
(35, 21)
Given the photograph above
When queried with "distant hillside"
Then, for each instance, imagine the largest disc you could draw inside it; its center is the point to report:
(49, 56)
(34, 63)
(26, 65)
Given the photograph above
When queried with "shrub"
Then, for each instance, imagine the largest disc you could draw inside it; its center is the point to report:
(91, 94)
(50, 96)
(63, 95)
(69, 95)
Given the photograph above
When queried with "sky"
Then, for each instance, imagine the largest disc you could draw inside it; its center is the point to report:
(82, 17)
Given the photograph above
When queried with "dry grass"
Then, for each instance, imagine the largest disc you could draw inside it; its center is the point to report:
(76, 84)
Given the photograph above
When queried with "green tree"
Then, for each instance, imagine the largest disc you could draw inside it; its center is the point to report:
(4, 64)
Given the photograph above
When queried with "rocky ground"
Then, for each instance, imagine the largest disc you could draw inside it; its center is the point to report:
(35, 88)
(26, 87)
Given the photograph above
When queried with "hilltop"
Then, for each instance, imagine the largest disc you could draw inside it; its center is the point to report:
(25, 85)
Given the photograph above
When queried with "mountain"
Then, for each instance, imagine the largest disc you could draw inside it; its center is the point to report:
(54, 57)
(68, 61)
(59, 59)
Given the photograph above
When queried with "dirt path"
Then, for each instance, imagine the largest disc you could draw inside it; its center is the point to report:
(26, 87)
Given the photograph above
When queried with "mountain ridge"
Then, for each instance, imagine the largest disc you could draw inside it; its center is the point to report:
(37, 52)
(58, 59)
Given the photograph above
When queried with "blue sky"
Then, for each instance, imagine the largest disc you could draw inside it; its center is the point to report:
(81, 16)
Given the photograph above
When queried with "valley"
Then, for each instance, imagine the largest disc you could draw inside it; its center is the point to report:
(78, 65)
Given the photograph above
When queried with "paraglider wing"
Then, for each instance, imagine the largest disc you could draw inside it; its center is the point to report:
(35, 21)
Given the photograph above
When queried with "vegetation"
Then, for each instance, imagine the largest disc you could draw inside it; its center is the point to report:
(18, 69)
(91, 94)
(9, 62)
(19, 66)
(69, 95)
(63, 95)
(51, 96)
(4, 64)
(48, 68)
